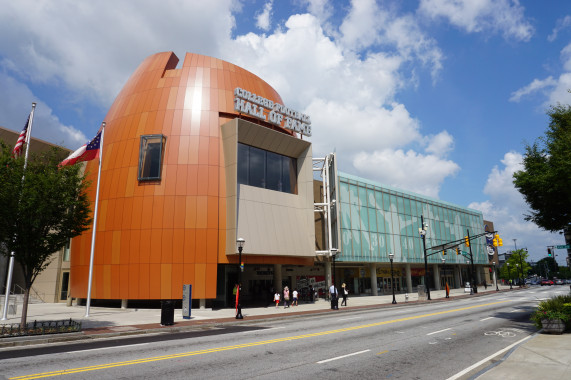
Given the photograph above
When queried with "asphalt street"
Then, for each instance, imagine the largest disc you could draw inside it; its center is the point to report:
(421, 341)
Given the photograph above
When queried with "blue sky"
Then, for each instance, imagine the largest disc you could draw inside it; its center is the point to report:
(432, 96)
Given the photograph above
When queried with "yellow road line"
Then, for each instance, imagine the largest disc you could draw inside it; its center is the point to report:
(238, 346)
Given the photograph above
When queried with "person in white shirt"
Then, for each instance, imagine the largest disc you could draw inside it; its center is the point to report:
(333, 291)
(334, 300)
(294, 301)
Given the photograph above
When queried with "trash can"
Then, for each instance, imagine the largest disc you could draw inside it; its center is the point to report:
(167, 312)
(334, 303)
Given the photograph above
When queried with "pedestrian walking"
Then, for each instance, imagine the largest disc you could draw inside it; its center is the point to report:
(286, 297)
(344, 293)
(294, 301)
(334, 301)
(277, 299)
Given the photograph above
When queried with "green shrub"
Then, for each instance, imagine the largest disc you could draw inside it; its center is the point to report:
(558, 307)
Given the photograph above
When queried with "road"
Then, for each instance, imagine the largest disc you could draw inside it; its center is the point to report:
(425, 341)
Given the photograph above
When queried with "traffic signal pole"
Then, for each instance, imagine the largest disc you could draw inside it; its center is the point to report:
(474, 286)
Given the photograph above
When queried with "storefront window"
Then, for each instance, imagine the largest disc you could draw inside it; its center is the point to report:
(268, 170)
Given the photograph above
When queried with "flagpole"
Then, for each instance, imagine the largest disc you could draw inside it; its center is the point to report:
(88, 303)
(11, 263)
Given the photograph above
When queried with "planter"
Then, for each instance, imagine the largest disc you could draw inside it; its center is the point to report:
(553, 326)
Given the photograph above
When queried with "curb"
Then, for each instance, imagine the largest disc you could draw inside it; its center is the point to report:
(185, 326)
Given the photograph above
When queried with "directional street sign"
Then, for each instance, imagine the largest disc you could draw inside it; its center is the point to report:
(563, 246)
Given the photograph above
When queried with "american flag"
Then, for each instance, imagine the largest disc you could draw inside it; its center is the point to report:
(19, 148)
(87, 152)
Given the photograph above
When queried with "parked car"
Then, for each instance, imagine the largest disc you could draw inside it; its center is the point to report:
(546, 282)
(559, 282)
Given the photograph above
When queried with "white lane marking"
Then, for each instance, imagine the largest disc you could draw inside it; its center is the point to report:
(439, 331)
(107, 348)
(485, 319)
(465, 371)
(341, 357)
(515, 311)
(347, 319)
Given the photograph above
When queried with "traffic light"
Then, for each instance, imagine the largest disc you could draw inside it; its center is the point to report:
(497, 241)
(549, 252)
(457, 250)
(467, 241)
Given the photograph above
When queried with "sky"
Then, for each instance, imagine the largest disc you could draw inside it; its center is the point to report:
(438, 97)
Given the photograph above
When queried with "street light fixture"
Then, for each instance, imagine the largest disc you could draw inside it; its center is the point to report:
(517, 274)
(445, 280)
(391, 256)
(509, 275)
(240, 243)
(422, 230)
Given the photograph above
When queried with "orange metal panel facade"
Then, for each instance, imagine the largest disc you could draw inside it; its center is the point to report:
(152, 237)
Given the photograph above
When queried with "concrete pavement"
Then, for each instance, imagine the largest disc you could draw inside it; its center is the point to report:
(540, 356)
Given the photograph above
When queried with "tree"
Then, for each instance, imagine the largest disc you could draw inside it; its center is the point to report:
(518, 257)
(546, 267)
(545, 182)
(41, 208)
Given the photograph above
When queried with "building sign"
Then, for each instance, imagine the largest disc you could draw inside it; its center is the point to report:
(386, 272)
(417, 272)
(275, 113)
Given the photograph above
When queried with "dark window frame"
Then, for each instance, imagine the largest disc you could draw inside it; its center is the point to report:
(245, 176)
(146, 153)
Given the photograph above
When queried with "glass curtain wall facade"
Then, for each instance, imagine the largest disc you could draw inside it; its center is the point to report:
(377, 220)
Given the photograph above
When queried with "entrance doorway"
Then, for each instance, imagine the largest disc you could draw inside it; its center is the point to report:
(384, 285)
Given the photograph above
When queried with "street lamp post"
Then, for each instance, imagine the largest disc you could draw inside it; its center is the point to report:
(391, 256)
(240, 243)
(517, 274)
(521, 266)
(445, 280)
(495, 276)
(509, 275)
(422, 231)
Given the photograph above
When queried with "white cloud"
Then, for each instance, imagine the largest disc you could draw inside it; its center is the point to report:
(482, 16)
(263, 19)
(351, 98)
(361, 28)
(441, 144)
(15, 105)
(92, 48)
(562, 24)
(367, 25)
(322, 9)
(87, 50)
(421, 173)
(506, 208)
(536, 85)
(554, 89)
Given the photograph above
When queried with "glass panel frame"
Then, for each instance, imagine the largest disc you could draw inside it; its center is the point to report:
(151, 155)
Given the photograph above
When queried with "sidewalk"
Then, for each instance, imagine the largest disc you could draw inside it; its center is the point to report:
(541, 356)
